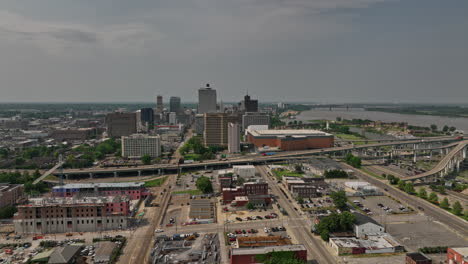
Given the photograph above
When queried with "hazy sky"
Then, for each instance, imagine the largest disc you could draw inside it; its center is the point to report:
(280, 50)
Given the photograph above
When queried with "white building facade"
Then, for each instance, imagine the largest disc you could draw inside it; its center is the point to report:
(138, 145)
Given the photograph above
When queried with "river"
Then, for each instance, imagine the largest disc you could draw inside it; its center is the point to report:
(354, 113)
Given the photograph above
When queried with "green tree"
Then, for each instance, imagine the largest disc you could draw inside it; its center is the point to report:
(433, 198)
(401, 185)
(204, 184)
(7, 211)
(250, 206)
(300, 200)
(240, 181)
(452, 129)
(434, 127)
(445, 128)
(278, 257)
(298, 168)
(445, 203)
(409, 188)
(146, 159)
(422, 193)
(339, 199)
(457, 208)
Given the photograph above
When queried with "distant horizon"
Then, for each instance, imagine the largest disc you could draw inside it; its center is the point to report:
(234, 102)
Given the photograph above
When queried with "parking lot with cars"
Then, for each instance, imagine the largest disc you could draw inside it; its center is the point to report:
(380, 205)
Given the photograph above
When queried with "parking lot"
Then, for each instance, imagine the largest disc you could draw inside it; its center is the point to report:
(380, 205)
(260, 232)
(417, 230)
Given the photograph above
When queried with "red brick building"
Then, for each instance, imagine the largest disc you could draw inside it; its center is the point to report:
(290, 139)
(248, 189)
(457, 255)
(247, 255)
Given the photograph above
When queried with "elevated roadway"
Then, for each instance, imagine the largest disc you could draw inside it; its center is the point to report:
(256, 159)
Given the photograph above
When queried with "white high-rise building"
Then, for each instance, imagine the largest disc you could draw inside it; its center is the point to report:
(233, 138)
(207, 100)
(138, 145)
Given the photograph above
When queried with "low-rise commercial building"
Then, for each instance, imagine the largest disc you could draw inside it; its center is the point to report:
(244, 171)
(62, 215)
(247, 190)
(366, 226)
(371, 245)
(138, 145)
(11, 194)
(133, 190)
(417, 258)
(288, 140)
(248, 255)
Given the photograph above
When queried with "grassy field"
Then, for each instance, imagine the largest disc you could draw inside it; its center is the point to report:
(279, 174)
(156, 182)
(191, 156)
(191, 192)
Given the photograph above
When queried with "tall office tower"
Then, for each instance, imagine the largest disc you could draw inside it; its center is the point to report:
(216, 128)
(249, 119)
(206, 100)
(174, 104)
(249, 105)
(159, 104)
(233, 138)
(121, 124)
(145, 119)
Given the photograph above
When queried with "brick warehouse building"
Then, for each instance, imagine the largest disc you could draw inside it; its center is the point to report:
(248, 189)
(61, 215)
(290, 139)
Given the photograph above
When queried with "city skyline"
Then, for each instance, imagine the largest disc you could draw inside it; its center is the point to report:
(312, 51)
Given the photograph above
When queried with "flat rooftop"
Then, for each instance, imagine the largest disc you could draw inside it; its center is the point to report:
(265, 241)
(462, 251)
(63, 201)
(100, 185)
(418, 256)
(265, 250)
(288, 132)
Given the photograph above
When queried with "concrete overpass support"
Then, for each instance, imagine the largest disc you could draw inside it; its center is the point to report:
(139, 173)
(91, 175)
(116, 174)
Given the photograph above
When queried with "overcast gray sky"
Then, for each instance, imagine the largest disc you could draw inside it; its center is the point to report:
(279, 50)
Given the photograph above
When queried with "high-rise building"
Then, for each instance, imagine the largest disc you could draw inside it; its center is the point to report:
(233, 138)
(121, 124)
(174, 104)
(159, 104)
(172, 117)
(216, 128)
(138, 145)
(255, 118)
(249, 105)
(145, 119)
(206, 100)
(199, 124)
